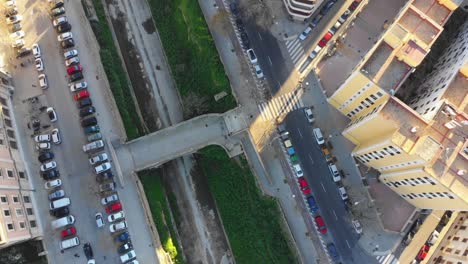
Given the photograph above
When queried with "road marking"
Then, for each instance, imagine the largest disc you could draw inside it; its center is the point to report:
(347, 243)
(323, 187)
(335, 214)
(260, 36)
(300, 134)
(271, 63)
(310, 157)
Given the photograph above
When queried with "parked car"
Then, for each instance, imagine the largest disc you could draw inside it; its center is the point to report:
(90, 121)
(48, 166)
(114, 207)
(234, 9)
(258, 71)
(80, 95)
(309, 115)
(325, 39)
(88, 251)
(245, 40)
(93, 137)
(56, 138)
(107, 187)
(14, 19)
(115, 217)
(354, 5)
(326, 8)
(98, 158)
(42, 138)
(66, 44)
(423, 252)
(93, 146)
(298, 170)
(23, 52)
(357, 226)
(104, 176)
(334, 172)
(15, 27)
(332, 251)
(109, 199)
(68, 232)
(124, 247)
(19, 43)
(53, 184)
(61, 212)
(87, 111)
(60, 20)
(343, 193)
(74, 69)
(252, 57)
(36, 50)
(57, 11)
(128, 256)
(65, 36)
(55, 3)
(304, 186)
(335, 28)
(64, 27)
(344, 16)
(50, 174)
(99, 220)
(11, 12)
(39, 64)
(43, 146)
(320, 224)
(305, 33)
(45, 156)
(92, 129)
(43, 82)
(52, 114)
(124, 236)
(76, 76)
(84, 102)
(316, 20)
(70, 54)
(74, 87)
(118, 226)
(103, 167)
(56, 195)
(312, 204)
(72, 61)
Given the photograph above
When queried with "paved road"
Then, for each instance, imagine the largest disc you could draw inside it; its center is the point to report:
(76, 173)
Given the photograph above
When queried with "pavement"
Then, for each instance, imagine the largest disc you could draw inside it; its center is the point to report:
(78, 180)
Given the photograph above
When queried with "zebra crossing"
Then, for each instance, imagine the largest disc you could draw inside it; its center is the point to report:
(281, 105)
(296, 51)
(387, 259)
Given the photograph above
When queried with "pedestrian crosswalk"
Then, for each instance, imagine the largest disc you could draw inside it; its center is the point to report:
(387, 259)
(281, 105)
(296, 51)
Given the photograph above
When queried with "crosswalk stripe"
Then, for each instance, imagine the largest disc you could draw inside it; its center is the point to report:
(297, 56)
(291, 43)
(276, 106)
(295, 49)
(263, 111)
(281, 105)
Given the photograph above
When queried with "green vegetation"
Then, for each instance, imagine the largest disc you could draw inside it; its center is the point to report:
(251, 220)
(151, 181)
(118, 81)
(192, 55)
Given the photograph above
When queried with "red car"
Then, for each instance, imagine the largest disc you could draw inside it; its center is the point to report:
(423, 252)
(304, 186)
(354, 5)
(325, 39)
(73, 69)
(114, 207)
(68, 232)
(81, 94)
(320, 224)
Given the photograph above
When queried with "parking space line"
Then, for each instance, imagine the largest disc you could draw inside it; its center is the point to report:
(347, 243)
(335, 214)
(323, 187)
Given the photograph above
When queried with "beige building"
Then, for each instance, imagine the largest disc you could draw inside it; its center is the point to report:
(17, 215)
(300, 9)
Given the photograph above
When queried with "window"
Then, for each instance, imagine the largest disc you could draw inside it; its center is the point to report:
(19, 212)
(10, 227)
(32, 223)
(29, 211)
(448, 250)
(8, 123)
(13, 145)
(22, 175)
(10, 173)
(22, 225)
(456, 238)
(3, 199)
(6, 212)
(26, 199)
(3, 101)
(15, 199)
(462, 227)
(457, 252)
(10, 133)
(6, 112)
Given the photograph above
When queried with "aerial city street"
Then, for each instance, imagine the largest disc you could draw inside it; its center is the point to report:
(234, 131)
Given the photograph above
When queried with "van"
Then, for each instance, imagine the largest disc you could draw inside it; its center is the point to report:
(54, 205)
(334, 172)
(318, 136)
(343, 193)
(69, 243)
(64, 221)
(287, 143)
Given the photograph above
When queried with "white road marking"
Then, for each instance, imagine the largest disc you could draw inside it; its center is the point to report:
(335, 214)
(271, 63)
(323, 187)
(347, 243)
(300, 134)
(260, 36)
(310, 157)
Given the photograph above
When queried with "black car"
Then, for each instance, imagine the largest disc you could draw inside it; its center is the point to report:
(245, 40)
(69, 43)
(50, 174)
(88, 251)
(61, 212)
(84, 102)
(56, 4)
(87, 111)
(11, 12)
(234, 9)
(23, 52)
(57, 11)
(45, 156)
(64, 27)
(91, 121)
(76, 76)
(240, 24)
(102, 177)
(124, 247)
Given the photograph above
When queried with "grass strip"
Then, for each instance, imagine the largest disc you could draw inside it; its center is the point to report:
(155, 195)
(193, 58)
(116, 75)
(251, 220)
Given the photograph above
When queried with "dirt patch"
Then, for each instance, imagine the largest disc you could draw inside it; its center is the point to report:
(148, 25)
(141, 87)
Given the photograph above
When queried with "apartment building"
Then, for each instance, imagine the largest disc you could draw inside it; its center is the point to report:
(17, 214)
(300, 9)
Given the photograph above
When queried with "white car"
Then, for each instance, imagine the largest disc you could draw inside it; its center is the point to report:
(53, 184)
(118, 226)
(98, 158)
(258, 71)
(99, 220)
(14, 19)
(70, 54)
(43, 83)
(56, 138)
(109, 199)
(42, 138)
(18, 43)
(52, 114)
(65, 36)
(309, 115)
(252, 57)
(102, 168)
(298, 170)
(114, 217)
(128, 256)
(72, 61)
(77, 86)
(36, 50)
(305, 33)
(48, 166)
(59, 21)
(357, 226)
(43, 146)
(93, 145)
(39, 64)
(11, 3)
(314, 53)
(133, 262)
(17, 35)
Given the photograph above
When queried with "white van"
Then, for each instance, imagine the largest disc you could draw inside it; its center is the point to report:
(318, 136)
(334, 172)
(54, 205)
(64, 221)
(69, 243)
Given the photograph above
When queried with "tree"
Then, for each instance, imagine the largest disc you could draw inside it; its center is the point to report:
(257, 11)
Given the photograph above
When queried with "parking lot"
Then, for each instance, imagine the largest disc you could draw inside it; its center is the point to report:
(77, 176)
